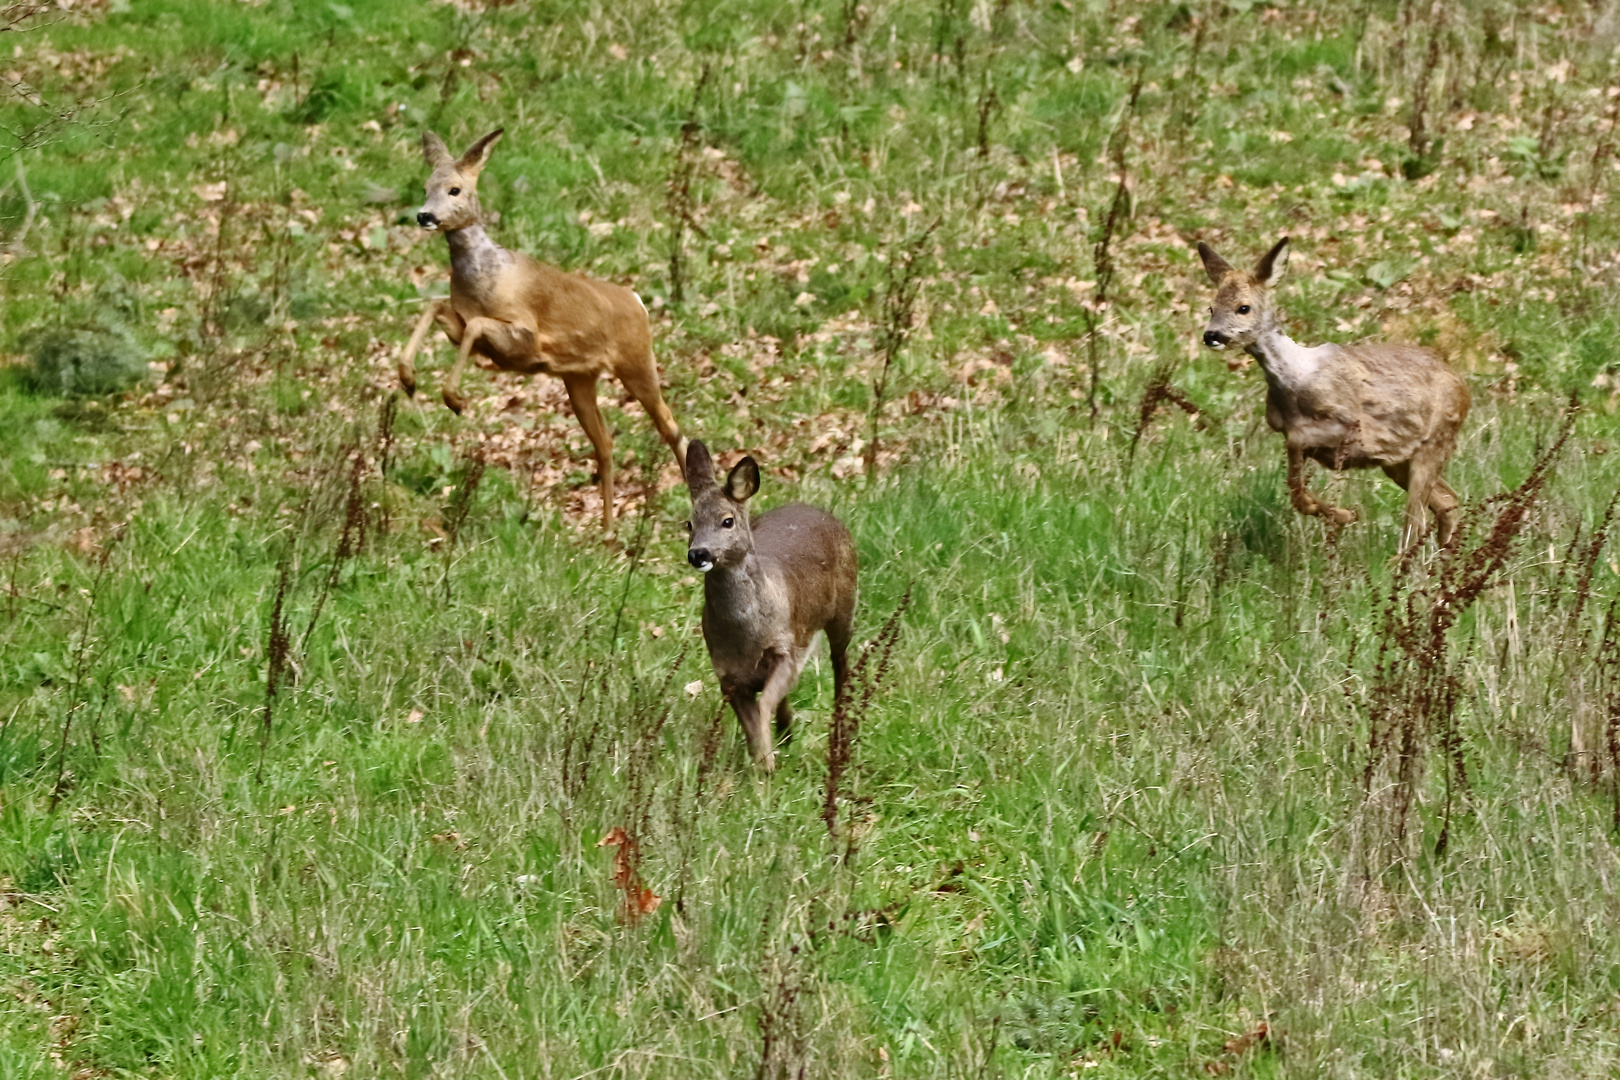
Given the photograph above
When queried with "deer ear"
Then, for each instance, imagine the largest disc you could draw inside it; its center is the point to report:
(1215, 266)
(699, 467)
(434, 150)
(1270, 269)
(477, 154)
(743, 481)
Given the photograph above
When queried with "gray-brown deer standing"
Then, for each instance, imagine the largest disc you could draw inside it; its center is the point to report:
(1346, 406)
(529, 317)
(769, 586)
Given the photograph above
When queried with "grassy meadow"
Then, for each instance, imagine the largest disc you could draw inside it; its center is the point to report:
(316, 703)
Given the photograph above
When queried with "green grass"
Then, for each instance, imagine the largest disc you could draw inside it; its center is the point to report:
(1109, 801)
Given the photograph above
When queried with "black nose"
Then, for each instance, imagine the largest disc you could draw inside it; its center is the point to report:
(425, 219)
(699, 557)
(1212, 338)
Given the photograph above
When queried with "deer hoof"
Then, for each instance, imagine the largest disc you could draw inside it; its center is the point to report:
(1340, 516)
(457, 403)
(407, 383)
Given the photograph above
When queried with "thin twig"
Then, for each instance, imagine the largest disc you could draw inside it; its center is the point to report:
(1102, 256)
(903, 272)
(81, 665)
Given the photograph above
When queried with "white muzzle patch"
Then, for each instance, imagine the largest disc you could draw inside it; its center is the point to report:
(705, 568)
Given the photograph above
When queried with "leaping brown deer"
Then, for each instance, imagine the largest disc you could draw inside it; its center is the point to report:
(770, 585)
(1346, 406)
(529, 317)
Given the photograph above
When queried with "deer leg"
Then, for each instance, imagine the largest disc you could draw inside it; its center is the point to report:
(1442, 500)
(439, 310)
(838, 635)
(582, 395)
(641, 379)
(784, 722)
(1300, 491)
(1445, 504)
(773, 700)
(472, 332)
(1423, 471)
(752, 718)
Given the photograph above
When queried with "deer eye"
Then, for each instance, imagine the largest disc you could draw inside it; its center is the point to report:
(455, 191)
(728, 523)
(688, 525)
(1243, 309)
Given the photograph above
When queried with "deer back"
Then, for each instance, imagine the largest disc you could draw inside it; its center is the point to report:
(810, 556)
(581, 316)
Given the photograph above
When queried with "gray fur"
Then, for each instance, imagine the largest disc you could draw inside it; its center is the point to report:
(773, 583)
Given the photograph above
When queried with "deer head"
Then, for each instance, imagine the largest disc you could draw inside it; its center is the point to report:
(718, 532)
(1243, 310)
(452, 189)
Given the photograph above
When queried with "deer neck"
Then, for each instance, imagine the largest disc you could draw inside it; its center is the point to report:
(474, 256)
(732, 593)
(1287, 364)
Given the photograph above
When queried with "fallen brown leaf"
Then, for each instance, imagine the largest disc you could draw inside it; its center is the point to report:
(638, 899)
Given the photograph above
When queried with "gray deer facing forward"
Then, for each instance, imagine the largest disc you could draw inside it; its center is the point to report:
(1346, 406)
(529, 317)
(770, 585)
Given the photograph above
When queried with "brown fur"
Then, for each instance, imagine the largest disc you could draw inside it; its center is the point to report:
(529, 317)
(770, 586)
(1397, 407)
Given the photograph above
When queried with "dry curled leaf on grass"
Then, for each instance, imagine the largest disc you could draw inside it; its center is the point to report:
(1239, 1045)
(638, 899)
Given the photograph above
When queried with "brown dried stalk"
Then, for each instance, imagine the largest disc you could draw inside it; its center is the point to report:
(1102, 255)
(83, 655)
(1416, 686)
(1608, 665)
(351, 539)
(387, 414)
(687, 810)
(1422, 153)
(849, 711)
(988, 105)
(276, 651)
(782, 1034)
(680, 202)
(461, 501)
(903, 274)
(1160, 391)
(580, 736)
